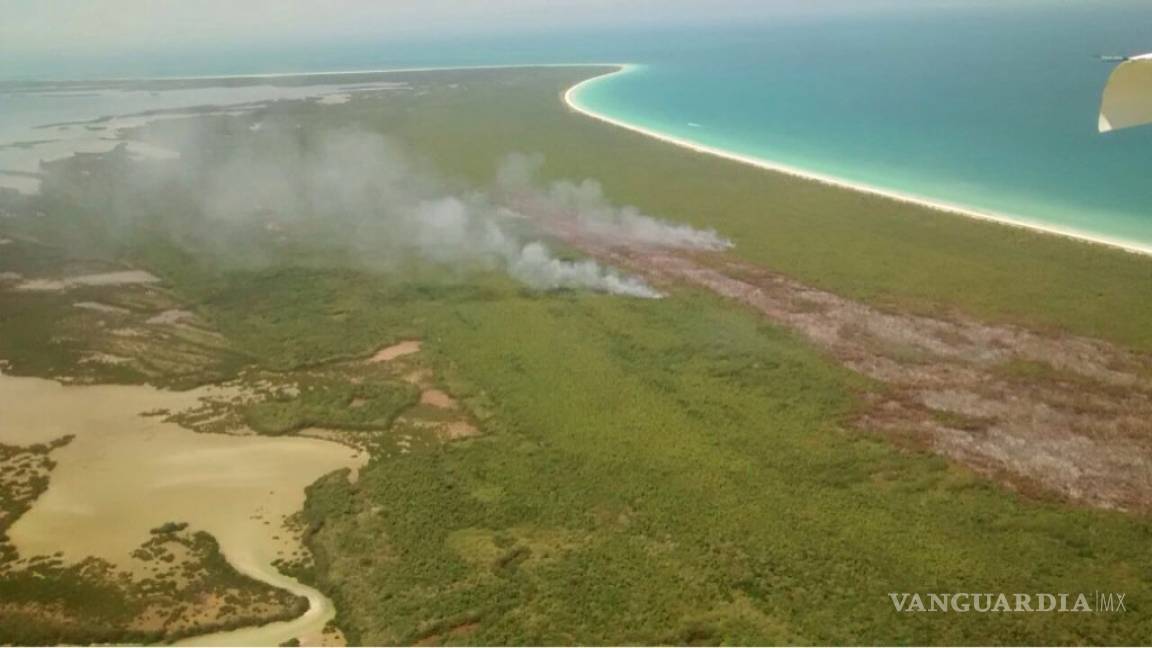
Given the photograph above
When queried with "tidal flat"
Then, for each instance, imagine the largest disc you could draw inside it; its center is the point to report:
(700, 467)
(123, 474)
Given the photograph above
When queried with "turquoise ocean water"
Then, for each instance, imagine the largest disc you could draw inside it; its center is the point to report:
(992, 107)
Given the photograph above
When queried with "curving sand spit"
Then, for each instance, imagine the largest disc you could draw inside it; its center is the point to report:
(572, 99)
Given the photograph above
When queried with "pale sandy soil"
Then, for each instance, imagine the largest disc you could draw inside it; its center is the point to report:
(398, 350)
(104, 358)
(101, 308)
(123, 278)
(437, 398)
(172, 316)
(124, 474)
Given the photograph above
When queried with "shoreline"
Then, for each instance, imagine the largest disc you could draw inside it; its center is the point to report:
(308, 627)
(572, 101)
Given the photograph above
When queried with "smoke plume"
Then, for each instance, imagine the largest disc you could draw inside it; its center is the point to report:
(583, 206)
(361, 191)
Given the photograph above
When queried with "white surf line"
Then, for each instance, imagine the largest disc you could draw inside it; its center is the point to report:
(572, 100)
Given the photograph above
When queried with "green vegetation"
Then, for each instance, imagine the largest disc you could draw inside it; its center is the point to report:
(169, 527)
(293, 318)
(333, 406)
(651, 471)
(893, 254)
(673, 472)
(46, 333)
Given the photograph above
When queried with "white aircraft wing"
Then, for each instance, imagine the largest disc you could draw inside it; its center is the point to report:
(1127, 98)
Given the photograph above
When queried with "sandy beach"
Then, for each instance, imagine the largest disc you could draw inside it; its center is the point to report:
(571, 98)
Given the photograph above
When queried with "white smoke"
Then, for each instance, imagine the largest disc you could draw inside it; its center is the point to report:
(585, 205)
(360, 188)
(535, 266)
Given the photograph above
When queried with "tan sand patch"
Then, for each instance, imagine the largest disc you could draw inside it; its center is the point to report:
(438, 399)
(101, 308)
(104, 358)
(388, 354)
(128, 332)
(123, 278)
(171, 316)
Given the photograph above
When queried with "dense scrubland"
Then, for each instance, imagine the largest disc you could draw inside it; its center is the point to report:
(648, 471)
(898, 255)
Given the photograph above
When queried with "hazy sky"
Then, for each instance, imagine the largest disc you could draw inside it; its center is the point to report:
(31, 25)
(35, 27)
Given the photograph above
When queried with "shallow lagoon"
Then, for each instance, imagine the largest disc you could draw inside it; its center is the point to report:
(124, 474)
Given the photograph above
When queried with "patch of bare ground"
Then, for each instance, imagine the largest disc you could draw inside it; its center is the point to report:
(121, 278)
(437, 412)
(103, 308)
(400, 349)
(150, 335)
(438, 399)
(1039, 412)
(171, 316)
(122, 325)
